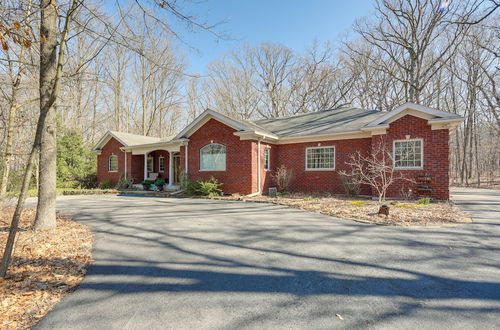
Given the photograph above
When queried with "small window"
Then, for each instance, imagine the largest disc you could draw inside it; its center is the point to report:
(408, 154)
(321, 158)
(266, 159)
(161, 164)
(150, 164)
(113, 163)
(213, 157)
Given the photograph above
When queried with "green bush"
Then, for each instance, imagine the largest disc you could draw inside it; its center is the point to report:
(160, 182)
(106, 184)
(208, 187)
(146, 184)
(88, 181)
(424, 201)
(124, 183)
(76, 164)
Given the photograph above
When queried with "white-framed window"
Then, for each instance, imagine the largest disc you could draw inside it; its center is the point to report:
(161, 164)
(150, 164)
(267, 161)
(408, 153)
(320, 158)
(213, 157)
(113, 163)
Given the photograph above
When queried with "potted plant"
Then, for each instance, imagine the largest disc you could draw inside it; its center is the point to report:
(160, 183)
(146, 184)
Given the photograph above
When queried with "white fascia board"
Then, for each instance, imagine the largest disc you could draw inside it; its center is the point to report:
(105, 138)
(410, 106)
(172, 144)
(255, 135)
(204, 117)
(328, 137)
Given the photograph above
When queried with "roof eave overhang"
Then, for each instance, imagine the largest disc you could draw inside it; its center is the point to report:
(104, 140)
(256, 135)
(445, 123)
(324, 137)
(205, 117)
(164, 145)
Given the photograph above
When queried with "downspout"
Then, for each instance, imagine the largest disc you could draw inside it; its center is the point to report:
(125, 173)
(186, 159)
(258, 166)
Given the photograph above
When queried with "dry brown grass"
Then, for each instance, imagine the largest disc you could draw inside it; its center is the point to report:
(402, 213)
(46, 265)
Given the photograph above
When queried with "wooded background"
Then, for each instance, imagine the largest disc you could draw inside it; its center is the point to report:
(126, 70)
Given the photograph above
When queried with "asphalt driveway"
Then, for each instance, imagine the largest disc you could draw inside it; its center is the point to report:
(201, 264)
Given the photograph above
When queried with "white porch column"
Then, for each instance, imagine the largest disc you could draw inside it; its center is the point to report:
(145, 166)
(125, 173)
(170, 168)
(186, 159)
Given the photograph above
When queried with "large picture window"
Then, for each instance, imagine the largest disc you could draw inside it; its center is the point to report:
(213, 157)
(408, 154)
(320, 158)
(113, 163)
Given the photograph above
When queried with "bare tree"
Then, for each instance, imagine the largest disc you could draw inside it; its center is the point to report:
(417, 37)
(15, 53)
(375, 169)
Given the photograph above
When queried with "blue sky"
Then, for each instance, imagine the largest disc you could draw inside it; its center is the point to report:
(292, 23)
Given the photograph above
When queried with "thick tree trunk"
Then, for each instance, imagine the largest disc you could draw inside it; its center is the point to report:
(46, 209)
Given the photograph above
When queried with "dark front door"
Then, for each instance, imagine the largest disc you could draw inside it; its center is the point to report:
(177, 167)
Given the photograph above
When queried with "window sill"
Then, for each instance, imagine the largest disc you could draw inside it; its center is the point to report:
(112, 171)
(409, 168)
(320, 169)
(211, 170)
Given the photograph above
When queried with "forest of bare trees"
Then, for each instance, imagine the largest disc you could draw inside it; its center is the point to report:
(125, 69)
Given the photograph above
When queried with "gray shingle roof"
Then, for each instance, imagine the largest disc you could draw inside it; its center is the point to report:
(134, 139)
(324, 122)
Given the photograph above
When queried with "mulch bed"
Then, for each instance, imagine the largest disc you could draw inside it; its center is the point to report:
(46, 266)
(401, 213)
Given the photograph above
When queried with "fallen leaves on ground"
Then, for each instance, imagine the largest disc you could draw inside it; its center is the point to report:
(46, 265)
(402, 213)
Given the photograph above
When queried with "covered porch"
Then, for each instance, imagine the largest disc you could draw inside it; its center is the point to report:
(155, 162)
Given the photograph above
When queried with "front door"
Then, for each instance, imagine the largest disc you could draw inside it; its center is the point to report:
(177, 167)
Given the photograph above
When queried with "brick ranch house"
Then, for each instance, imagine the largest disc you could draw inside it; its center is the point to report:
(244, 154)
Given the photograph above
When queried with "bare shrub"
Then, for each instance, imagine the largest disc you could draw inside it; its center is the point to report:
(375, 169)
(283, 178)
(350, 183)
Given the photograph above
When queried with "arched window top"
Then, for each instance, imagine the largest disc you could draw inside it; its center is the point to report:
(113, 163)
(213, 157)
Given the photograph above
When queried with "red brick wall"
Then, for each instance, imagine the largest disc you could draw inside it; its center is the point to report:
(436, 152)
(135, 163)
(266, 176)
(111, 148)
(237, 178)
(293, 156)
(241, 171)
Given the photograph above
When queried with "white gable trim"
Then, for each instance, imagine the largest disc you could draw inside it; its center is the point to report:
(105, 139)
(427, 112)
(204, 118)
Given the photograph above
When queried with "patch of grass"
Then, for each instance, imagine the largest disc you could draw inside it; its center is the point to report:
(358, 202)
(424, 201)
(308, 198)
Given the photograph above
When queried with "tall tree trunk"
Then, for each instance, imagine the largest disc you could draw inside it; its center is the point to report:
(46, 208)
(7, 158)
(14, 107)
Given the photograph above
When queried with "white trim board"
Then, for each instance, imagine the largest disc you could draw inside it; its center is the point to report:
(411, 106)
(204, 118)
